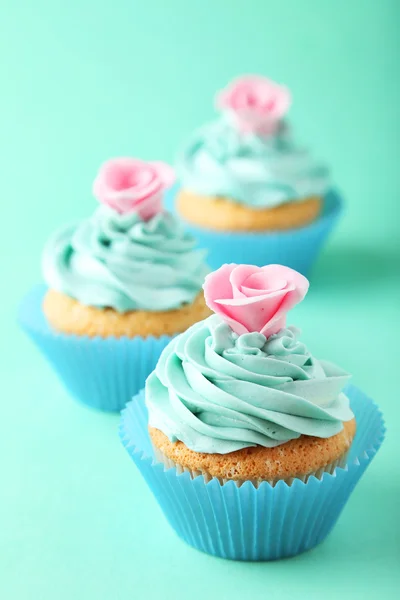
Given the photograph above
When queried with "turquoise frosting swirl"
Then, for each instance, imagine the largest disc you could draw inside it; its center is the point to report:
(120, 261)
(219, 392)
(252, 170)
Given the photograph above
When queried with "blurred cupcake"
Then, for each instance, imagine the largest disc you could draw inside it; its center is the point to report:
(250, 425)
(120, 285)
(248, 190)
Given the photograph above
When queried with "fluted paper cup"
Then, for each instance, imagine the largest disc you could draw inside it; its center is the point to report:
(104, 373)
(267, 522)
(296, 248)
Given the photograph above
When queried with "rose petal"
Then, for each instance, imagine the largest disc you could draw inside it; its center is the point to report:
(252, 313)
(259, 282)
(165, 172)
(256, 103)
(217, 285)
(236, 293)
(238, 276)
(132, 185)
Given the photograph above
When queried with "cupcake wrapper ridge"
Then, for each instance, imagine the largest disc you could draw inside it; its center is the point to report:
(295, 248)
(104, 373)
(169, 464)
(247, 522)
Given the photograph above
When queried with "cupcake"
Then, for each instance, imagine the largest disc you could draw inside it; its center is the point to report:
(120, 285)
(251, 447)
(248, 190)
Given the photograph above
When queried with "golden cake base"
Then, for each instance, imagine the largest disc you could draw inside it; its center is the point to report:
(70, 316)
(296, 459)
(222, 214)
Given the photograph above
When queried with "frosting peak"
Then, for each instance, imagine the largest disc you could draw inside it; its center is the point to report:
(124, 262)
(218, 391)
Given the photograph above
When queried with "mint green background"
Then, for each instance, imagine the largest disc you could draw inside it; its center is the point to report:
(83, 80)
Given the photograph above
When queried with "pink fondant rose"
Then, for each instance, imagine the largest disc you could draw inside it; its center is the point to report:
(255, 103)
(252, 298)
(132, 185)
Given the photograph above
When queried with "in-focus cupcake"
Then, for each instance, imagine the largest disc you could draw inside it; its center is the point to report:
(120, 285)
(254, 431)
(250, 192)
(239, 396)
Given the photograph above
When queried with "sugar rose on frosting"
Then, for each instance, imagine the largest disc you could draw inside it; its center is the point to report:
(251, 299)
(131, 185)
(255, 103)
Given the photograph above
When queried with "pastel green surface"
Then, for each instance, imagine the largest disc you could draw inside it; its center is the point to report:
(82, 81)
(219, 392)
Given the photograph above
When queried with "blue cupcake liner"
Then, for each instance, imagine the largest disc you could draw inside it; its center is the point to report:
(249, 523)
(104, 373)
(295, 248)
